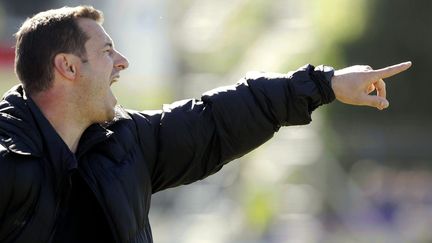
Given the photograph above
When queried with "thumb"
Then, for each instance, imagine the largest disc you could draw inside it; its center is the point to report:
(375, 101)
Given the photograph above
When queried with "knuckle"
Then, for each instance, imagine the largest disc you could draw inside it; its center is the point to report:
(368, 67)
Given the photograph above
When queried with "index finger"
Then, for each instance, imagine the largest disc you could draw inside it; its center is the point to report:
(391, 70)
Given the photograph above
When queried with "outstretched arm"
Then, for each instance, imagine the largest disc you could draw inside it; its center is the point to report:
(197, 137)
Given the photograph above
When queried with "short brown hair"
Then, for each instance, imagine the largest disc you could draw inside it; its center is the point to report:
(43, 36)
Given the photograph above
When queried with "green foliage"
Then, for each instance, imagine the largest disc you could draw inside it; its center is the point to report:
(238, 33)
(338, 22)
(260, 209)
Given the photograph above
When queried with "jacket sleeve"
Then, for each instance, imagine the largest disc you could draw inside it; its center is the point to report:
(5, 193)
(197, 137)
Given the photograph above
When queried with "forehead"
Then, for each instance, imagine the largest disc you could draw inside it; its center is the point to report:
(96, 33)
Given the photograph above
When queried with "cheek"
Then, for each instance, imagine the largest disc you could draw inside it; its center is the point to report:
(108, 63)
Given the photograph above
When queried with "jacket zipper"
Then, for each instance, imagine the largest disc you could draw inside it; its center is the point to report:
(114, 232)
(61, 205)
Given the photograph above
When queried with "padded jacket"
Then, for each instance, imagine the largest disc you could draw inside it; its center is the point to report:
(140, 153)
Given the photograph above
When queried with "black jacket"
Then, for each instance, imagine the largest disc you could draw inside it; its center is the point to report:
(124, 162)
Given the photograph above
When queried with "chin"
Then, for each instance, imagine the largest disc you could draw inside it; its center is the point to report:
(110, 110)
(105, 117)
(110, 114)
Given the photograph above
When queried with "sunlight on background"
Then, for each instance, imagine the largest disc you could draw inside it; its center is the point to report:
(331, 181)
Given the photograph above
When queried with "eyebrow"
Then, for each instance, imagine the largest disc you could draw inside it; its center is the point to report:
(110, 44)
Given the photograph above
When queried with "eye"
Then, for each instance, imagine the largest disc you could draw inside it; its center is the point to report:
(109, 51)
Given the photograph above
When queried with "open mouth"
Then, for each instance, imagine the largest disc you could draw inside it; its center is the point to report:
(114, 79)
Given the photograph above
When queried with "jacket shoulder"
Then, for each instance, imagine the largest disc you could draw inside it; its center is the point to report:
(5, 152)
(139, 129)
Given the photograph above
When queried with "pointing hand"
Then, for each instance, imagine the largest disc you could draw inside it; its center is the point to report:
(354, 85)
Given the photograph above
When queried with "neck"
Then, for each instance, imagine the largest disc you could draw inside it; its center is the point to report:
(62, 115)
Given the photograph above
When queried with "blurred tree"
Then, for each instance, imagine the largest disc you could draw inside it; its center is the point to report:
(394, 31)
(238, 32)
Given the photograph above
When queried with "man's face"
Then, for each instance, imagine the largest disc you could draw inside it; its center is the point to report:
(96, 75)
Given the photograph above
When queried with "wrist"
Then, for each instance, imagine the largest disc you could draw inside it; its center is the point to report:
(326, 74)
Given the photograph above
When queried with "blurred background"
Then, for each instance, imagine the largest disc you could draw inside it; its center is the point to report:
(354, 175)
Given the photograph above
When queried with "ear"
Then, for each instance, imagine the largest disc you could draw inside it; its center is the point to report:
(66, 65)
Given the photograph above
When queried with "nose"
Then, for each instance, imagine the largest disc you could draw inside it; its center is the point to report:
(121, 61)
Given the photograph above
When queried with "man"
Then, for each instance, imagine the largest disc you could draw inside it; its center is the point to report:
(74, 167)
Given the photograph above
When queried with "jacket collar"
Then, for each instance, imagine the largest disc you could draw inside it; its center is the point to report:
(20, 133)
(18, 130)
(97, 133)
(14, 145)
